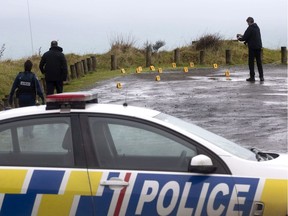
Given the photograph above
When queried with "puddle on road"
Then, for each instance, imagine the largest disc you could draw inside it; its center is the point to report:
(284, 104)
(275, 94)
(209, 79)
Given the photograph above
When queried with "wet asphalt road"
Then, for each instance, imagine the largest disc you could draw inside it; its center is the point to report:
(250, 114)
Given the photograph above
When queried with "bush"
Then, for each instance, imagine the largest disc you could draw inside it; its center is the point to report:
(120, 43)
(158, 45)
(209, 41)
(154, 47)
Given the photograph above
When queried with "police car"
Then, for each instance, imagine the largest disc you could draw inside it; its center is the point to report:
(74, 156)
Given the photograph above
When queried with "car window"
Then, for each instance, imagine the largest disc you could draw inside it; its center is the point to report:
(36, 142)
(128, 144)
(141, 142)
(217, 140)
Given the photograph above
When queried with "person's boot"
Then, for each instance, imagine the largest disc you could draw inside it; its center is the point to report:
(251, 79)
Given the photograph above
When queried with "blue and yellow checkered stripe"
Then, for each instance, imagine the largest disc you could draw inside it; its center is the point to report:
(68, 192)
(46, 192)
(275, 192)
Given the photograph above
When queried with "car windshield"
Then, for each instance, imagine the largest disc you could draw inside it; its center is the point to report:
(217, 140)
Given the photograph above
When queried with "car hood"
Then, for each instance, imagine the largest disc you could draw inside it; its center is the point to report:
(281, 160)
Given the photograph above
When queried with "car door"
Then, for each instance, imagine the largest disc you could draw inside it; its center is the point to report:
(43, 167)
(140, 168)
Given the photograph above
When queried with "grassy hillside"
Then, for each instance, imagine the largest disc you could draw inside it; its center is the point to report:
(130, 58)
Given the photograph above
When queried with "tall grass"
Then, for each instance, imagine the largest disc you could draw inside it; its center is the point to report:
(8, 71)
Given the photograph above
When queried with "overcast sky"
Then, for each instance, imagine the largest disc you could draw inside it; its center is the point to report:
(89, 26)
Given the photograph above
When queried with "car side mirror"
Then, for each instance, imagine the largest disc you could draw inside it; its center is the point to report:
(201, 164)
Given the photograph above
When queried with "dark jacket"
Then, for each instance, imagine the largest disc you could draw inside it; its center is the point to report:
(27, 86)
(53, 64)
(252, 37)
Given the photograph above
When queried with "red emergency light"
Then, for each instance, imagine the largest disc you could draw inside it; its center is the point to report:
(75, 100)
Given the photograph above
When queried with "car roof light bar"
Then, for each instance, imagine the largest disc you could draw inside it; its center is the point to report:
(75, 100)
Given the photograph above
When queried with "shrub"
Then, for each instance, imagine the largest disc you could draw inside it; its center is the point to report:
(158, 45)
(154, 47)
(120, 43)
(208, 41)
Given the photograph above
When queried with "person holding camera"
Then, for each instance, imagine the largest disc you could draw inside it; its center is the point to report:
(27, 87)
(252, 37)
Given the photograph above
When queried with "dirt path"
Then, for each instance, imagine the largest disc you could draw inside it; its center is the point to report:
(250, 114)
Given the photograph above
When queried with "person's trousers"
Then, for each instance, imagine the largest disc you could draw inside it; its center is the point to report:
(255, 53)
(51, 85)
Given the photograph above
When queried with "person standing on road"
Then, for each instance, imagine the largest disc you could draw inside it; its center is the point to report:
(54, 65)
(252, 37)
(27, 86)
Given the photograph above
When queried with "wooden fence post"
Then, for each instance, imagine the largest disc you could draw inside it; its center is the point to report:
(89, 64)
(84, 66)
(68, 76)
(94, 63)
(148, 57)
(73, 72)
(228, 57)
(5, 101)
(283, 55)
(113, 62)
(177, 56)
(78, 69)
(81, 68)
(202, 57)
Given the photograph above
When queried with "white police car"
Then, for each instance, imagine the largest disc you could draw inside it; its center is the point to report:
(77, 157)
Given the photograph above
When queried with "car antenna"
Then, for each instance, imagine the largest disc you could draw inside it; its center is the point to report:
(125, 104)
(30, 27)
